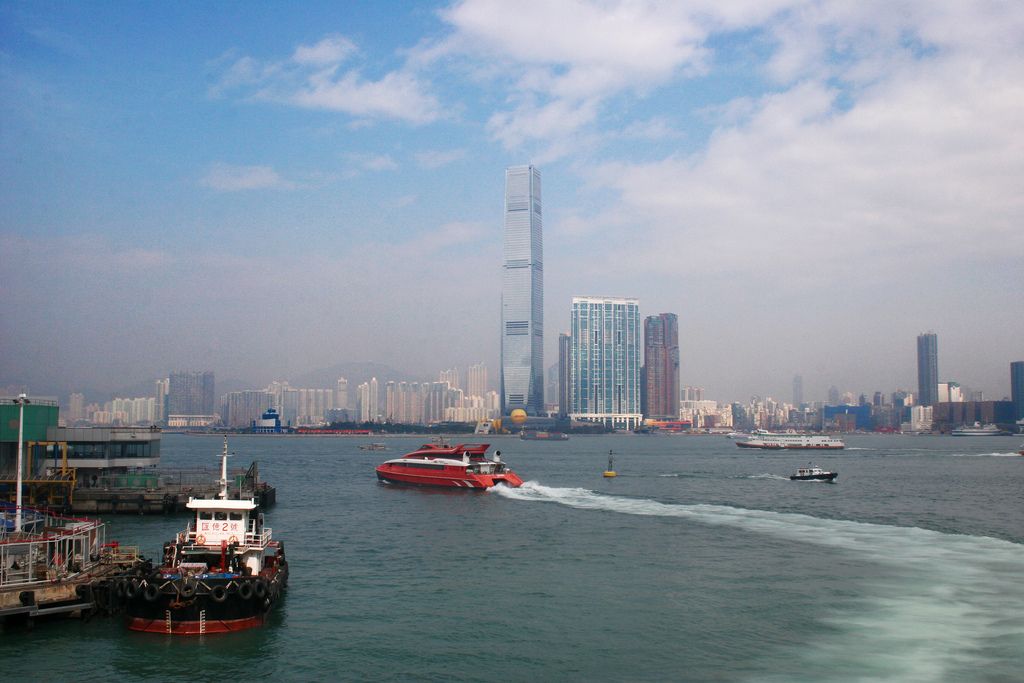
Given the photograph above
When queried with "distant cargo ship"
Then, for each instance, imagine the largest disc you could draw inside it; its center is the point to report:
(543, 436)
(767, 440)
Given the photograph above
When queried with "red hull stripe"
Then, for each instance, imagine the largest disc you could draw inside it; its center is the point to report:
(192, 628)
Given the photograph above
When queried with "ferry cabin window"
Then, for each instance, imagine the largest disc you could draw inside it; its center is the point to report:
(205, 515)
(236, 516)
(220, 516)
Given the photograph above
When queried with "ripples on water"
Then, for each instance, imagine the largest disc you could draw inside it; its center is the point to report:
(699, 562)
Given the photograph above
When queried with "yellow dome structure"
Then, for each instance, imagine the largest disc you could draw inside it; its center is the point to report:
(518, 416)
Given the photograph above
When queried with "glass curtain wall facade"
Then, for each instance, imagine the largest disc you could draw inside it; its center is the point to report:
(661, 363)
(522, 294)
(605, 361)
(927, 369)
(1017, 388)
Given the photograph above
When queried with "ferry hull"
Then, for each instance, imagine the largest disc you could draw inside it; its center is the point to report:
(794, 447)
(472, 481)
(829, 476)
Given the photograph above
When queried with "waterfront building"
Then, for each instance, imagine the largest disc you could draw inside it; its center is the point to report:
(798, 390)
(191, 393)
(927, 369)
(564, 373)
(948, 416)
(522, 294)
(1017, 388)
(605, 361)
(269, 423)
(661, 364)
(476, 380)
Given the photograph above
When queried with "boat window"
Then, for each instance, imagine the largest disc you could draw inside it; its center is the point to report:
(424, 465)
(236, 516)
(205, 514)
(220, 516)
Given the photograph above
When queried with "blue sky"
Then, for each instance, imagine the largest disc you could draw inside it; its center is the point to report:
(266, 189)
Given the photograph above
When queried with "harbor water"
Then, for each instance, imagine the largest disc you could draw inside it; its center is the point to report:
(699, 562)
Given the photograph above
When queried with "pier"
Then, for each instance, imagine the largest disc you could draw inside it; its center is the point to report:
(53, 565)
(156, 492)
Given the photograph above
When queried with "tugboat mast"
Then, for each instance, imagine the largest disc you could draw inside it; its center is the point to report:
(224, 471)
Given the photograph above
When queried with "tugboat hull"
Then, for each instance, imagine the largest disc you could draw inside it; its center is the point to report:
(196, 607)
(829, 476)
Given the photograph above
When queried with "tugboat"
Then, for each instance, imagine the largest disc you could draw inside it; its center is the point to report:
(813, 473)
(464, 466)
(222, 573)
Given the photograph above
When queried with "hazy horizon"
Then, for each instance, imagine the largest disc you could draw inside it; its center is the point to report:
(267, 191)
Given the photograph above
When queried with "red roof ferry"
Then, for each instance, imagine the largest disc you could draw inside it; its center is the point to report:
(464, 466)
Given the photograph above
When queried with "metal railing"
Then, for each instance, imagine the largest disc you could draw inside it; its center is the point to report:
(48, 548)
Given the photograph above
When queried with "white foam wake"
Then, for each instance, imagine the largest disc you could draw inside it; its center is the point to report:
(948, 604)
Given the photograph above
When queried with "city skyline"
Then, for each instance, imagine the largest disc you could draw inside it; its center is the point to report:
(806, 190)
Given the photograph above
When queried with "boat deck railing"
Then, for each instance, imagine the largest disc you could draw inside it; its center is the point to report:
(252, 537)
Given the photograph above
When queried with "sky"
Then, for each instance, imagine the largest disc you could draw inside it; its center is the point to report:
(265, 189)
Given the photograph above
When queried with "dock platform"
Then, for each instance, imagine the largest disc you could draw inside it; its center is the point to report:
(59, 566)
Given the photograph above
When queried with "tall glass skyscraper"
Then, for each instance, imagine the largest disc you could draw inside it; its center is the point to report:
(522, 294)
(927, 369)
(661, 366)
(606, 361)
(1017, 388)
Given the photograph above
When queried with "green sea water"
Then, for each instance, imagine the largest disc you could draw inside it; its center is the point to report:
(699, 562)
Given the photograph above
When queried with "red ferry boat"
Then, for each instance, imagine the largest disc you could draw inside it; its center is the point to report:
(464, 466)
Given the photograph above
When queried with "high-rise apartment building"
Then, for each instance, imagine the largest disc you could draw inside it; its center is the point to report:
(522, 294)
(341, 394)
(245, 406)
(451, 376)
(661, 363)
(605, 365)
(476, 380)
(798, 390)
(564, 373)
(76, 409)
(927, 369)
(191, 393)
(1017, 388)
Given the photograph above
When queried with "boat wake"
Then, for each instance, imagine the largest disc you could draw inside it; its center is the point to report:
(766, 475)
(943, 599)
(1011, 454)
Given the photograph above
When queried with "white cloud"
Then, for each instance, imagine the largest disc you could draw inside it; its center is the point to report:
(436, 158)
(372, 162)
(313, 78)
(228, 178)
(330, 50)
